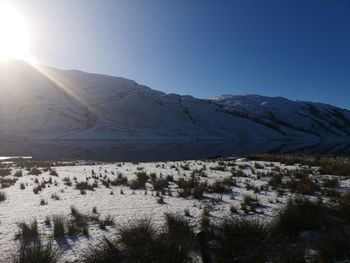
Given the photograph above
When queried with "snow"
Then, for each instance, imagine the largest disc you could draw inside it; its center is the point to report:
(306, 117)
(41, 102)
(47, 103)
(24, 205)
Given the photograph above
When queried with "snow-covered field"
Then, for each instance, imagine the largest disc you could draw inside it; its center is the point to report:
(226, 185)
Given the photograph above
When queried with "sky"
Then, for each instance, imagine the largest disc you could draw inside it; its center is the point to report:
(299, 49)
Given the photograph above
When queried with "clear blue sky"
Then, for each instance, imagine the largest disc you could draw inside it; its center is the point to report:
(299, 49)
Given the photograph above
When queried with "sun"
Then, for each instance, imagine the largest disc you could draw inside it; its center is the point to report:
(14, 34)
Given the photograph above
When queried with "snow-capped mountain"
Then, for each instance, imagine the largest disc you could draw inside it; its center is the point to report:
(39, 102)
(46, 103)
(287, 116)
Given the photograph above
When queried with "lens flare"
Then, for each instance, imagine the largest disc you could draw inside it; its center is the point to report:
(14, 34)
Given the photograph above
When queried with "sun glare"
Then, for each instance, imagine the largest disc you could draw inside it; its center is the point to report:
(14, 34)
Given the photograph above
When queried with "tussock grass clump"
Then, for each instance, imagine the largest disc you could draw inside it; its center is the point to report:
(53, 172)
(159, 184)
(18, 173)
(176, 237)
(74, 211)
(249, 203)
(187, 183)
(145, 243)
(331, 182)
(5, 172)
(170, 178)
(221, 186)
(198, 192)
(332, 245)
(85, 186)
(140, 181)
(233, 210)
(189, 187)
(238, 173)
(120, 180)
(299, 215)
(55, 196)
(107, 221)
(177, 227)
(244, 166)
(218, 168)
(187, 212)
(72, 228)
(299, 173)
(105, 251)
(28, 232)
(141, 241)
(335, 166)
(138, 232)
(304, 186)
(258, 165)
(94, 210)
(67, 181)
(58, 226)
(205, 223)
(78, 223)
(185, 167)
(186, 192)
(47, 221)
(37, 189)
(160, 200)
(139, 238)
(7, 181)
(34, 171)
(106, 182)
(2, 196)
(240, 240)
(201, 173)
(275, 180)
(38, 252)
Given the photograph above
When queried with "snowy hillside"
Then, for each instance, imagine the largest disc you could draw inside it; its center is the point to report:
(289, 116)
(46, 103)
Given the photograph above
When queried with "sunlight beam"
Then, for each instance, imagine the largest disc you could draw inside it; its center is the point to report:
(62, 84)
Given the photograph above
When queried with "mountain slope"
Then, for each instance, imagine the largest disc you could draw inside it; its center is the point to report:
(289, 116)
(46, 103)
(40, 102)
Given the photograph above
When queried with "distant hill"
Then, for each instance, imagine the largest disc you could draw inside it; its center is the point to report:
(287, 116)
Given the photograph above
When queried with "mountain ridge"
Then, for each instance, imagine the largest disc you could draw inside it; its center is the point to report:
(313, 117)
(275, 97)
(41, 102)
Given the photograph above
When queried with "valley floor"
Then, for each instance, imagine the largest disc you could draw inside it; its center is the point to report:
(120, 192)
